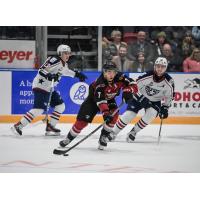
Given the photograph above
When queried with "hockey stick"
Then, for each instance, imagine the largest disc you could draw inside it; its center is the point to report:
(64, 152)
(159, 135)
(48, 104)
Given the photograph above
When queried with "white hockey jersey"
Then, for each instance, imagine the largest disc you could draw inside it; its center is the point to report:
(53, 65)
(156, 91)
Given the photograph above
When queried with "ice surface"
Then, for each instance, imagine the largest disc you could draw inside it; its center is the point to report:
(178, 151)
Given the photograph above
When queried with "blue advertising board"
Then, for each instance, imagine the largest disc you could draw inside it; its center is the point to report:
(71, 90)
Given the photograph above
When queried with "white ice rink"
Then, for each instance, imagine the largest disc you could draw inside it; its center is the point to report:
(178, 151)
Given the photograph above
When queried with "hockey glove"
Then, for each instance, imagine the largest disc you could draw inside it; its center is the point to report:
(126, 96)
(163, 112)
(145, 102)
(107, 117)
(50, 77)
(128, 92)
(80, 76)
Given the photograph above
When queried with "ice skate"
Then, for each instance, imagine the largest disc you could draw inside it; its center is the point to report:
(112, 136)
(52, 131)
(131, 136)
(17, 129)
(64, 143)
(103, 140)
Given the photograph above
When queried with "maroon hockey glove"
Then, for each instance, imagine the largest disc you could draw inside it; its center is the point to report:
(128, 92)
(131, 89)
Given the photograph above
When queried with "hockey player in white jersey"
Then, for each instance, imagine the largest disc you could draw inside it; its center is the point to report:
(156, 92)
(53, 68)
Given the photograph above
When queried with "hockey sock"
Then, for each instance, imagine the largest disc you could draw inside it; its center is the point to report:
(140, 125)
(55, 116)
(149, 116)
(76, 129)
(123, 121)
(30, 115)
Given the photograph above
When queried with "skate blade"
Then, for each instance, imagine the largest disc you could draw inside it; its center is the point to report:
(100, 147)
(14, 131)
(129, 140)
(52, 134)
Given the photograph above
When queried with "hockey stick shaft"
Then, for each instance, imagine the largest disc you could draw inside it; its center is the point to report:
(61, 152)
(159, 135)
(49, 101)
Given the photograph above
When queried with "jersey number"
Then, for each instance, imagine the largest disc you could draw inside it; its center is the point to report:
(99, 94)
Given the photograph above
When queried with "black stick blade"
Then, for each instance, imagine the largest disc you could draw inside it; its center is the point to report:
(58, 152)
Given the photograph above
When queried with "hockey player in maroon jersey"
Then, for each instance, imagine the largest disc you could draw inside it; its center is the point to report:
(155, 86)
(102, 93)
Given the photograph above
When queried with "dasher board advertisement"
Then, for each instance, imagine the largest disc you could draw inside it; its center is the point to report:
(17, 54)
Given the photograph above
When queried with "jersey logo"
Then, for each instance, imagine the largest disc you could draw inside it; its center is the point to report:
(151, 91)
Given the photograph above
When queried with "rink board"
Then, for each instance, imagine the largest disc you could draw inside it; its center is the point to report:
(98, 119)
(18, 98)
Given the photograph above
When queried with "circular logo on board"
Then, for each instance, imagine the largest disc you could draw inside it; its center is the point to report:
(79, 92)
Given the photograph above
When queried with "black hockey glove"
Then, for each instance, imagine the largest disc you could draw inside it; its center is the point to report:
(163, 112)
(80, 76)
(50, 77)
(145, 102)
(107, 117)
(126, 96)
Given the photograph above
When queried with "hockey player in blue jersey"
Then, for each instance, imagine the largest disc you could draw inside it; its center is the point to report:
(154, 87)
(52, 69)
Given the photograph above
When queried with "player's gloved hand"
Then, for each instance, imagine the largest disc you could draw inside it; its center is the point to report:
(126, 96)
(80, 76)
(107, 117)
(163, 112)
(128, 92)
(133, 88)
(145, 102)
(50, 77)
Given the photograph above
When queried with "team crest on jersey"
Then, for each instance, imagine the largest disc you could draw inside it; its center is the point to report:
(151, 91)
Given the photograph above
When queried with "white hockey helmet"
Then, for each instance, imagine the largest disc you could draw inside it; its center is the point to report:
(161, 61)
(63, 48)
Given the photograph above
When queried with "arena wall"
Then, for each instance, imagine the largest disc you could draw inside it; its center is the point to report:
(17, 97)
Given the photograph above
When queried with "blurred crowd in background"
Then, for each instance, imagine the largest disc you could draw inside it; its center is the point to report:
(132, 48)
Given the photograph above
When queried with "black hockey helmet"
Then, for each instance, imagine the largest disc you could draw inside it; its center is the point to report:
(109, 66)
